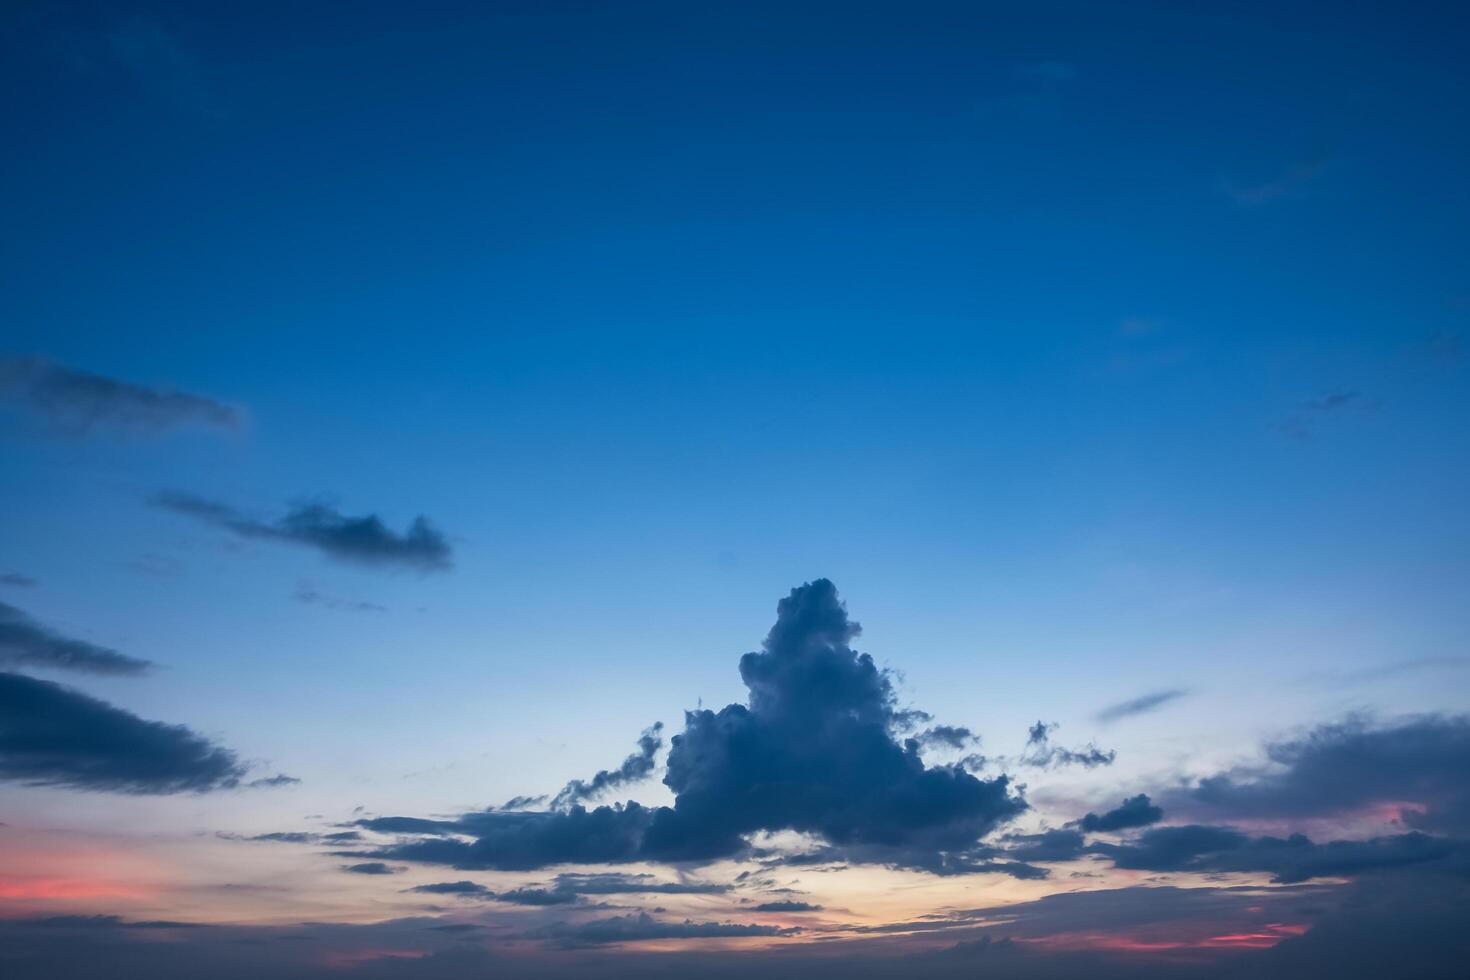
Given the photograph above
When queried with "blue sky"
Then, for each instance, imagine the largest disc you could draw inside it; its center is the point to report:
(1091, 351)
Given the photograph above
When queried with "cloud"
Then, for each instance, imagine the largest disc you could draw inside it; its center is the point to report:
(642, 927)
(1050, 845)
(17, 580)
(369, 868)
(310, 596)
(358, 540)
(946, 736)
(468, 888)
(79, 403)
(786, 907)
(1139, 705)
(1352, 765)
(1197, 848)
(1135, 811)
(814, 750)
(635, 767)
(54, 736)
(1302, 423)
(26, 643)
(1041, 754)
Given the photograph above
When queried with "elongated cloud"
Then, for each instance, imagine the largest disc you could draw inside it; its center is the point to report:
(1139, 705)
(1292, 859)
(26, 643)
(637, 766)
(79, 402)
(54, 736)
(813, 750)
(358, 540)
(642, 926)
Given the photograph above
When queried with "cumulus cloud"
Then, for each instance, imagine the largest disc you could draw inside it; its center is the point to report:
(1135, 811)
(359, 540)
(1139, 705)
(814, 750)
(26, 643)
(79, 402)
(54, 736)
(635, 767)
(1041, 754)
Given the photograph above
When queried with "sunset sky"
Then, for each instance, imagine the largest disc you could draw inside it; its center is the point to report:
(601, 489)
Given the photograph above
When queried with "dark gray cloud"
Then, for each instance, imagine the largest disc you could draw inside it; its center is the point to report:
(79, 402)
(1050, 845)
(786, 907)
(369, 868)
(1041, 754)
(1418, 765)
(1135, 811)
(1139, 705)
(569, 889)
(642, 927)
(466, 888)
(636, 884)
(946, 736)
(17, 580)
(1198, 848)
(635, 767)
(26, 643)
(358, 540)
(814, 750)
(54, 736)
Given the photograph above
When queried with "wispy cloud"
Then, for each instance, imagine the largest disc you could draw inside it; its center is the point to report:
(74, 402)
(309, 595)
(1139, 705)
(362, 540)
(1302, 423)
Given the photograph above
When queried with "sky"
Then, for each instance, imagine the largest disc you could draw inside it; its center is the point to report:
(585, 489)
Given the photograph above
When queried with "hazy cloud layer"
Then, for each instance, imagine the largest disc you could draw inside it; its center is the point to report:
(54, 736)
(358, 540)
(26, 643)
(79, 402)
(17, 580)
(814, 750)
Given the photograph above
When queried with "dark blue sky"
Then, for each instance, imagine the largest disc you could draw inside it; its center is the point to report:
(1094, 350)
